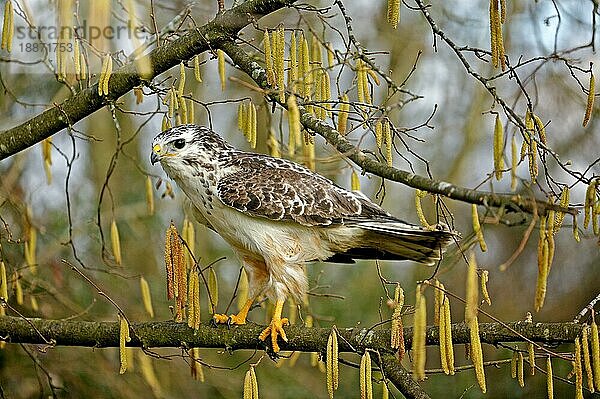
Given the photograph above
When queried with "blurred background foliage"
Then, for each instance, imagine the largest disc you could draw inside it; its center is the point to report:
(99, 172)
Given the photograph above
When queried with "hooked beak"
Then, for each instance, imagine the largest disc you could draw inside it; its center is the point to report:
(155, 156)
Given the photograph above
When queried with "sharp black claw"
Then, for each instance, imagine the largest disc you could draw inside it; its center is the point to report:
(213, 322)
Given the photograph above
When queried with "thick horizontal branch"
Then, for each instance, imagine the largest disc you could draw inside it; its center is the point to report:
(225, 26)
(333, 137)
(176, 335)
(171, 334)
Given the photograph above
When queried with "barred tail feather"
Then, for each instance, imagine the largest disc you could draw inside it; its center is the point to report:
(396, 240)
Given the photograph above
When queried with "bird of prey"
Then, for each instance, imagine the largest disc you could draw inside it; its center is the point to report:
(278, 215)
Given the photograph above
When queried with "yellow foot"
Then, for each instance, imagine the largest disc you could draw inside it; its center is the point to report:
(231, 319)
(275, 329)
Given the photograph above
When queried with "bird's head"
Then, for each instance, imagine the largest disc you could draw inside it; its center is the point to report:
(187, 144)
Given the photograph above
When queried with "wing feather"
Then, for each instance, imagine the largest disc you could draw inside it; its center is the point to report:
(278, 189)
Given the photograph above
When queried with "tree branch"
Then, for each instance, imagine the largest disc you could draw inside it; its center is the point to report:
(225, 26)
(332, 136)
(176, 335)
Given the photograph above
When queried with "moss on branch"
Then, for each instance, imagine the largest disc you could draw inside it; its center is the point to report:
(171, 334)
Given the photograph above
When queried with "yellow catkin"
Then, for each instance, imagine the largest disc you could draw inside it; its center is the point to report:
(588, 206)
(83, 63)
(102, 75)
(560, 216)
(590, 100)
(183, 113)
(148, 373)
(247, 391)
(149, 196)
(194, 300)
(477, 228)
(419, 194)
(520, 370)
(578, 370)
(472, 291)
(543, 269)
(213, 289)
(419, 334)
(533, 160)
(77, 58)
(293, 124)
(304, 71)
(513, 364)
(595, 343)
(513, 164)
(575, 230)
(330, 55)
(250, 385)
(387, 136)
(541, 129)
(366, 382)
(176, 272)
(448, 335)
(181, 83)
(254, 383)
(587, 360)
(166, 123)
(495, 33)
(8, 26)
(172, 101)
(440, 321)
(531, 357)
(279, 62)
(146, 297)
(123, 339)
(242, 115)
(342, 125)
(378, 133)
(268, 58)
(108, 74)
(196, 369)
(485, 275)
(309, 151)
(34, 304)
(354, 181)
(242, 294)
(326, 93)
(221, 65)
(293, 64)
(273, 145)
(477, 353)
(172, 255)
(498, 148)
(253, 126)
(3, 283)
(393, 13)
(116, 242)
(197, 71)
(18, 289)
(47, 158)
(549, 378)
(360, 85)
(331, 363)
(397, 331)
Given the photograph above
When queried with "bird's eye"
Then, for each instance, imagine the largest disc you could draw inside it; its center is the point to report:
(179, 143)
